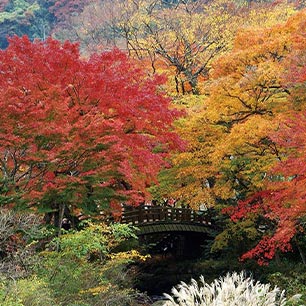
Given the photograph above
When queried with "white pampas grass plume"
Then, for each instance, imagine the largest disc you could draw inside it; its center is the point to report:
(232, 290)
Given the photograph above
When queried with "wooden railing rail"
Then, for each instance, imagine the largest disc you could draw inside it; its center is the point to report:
(150, 214)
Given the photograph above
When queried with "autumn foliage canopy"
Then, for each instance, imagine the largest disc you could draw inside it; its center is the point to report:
(78, 131)
(282, 199)
(86, 132)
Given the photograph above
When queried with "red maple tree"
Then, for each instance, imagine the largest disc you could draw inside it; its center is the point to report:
(79, 133)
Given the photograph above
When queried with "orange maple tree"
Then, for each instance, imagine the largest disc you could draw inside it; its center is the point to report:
(283, 201)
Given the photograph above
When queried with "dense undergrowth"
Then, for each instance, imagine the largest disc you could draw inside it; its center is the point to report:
(96, 265)
(74, 268)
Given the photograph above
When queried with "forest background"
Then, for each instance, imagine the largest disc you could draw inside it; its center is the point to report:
(196, 103)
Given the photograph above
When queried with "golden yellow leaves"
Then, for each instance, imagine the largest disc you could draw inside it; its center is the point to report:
(128, 256)
(269, 16)
(230, 150)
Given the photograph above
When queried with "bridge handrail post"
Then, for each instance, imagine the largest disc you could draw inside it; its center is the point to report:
(178, 215)
(150, 213)
(168, 211)
(161, 213)
(147, 213)
(157, 213)
(186, 214)
(194, 216)
(183, 215)
(172, 214)
(189, 214)
(197, 217)
(140, 214)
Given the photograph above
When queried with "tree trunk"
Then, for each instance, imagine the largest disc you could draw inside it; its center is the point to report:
(58, 217)
(300, 251)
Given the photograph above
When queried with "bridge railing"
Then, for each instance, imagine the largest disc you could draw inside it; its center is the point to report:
(148, 214)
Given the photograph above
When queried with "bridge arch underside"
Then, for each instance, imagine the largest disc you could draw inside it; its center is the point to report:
(179, 240)
(162, 227)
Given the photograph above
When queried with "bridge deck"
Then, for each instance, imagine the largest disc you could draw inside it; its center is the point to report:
(152, 219)
(145, 214)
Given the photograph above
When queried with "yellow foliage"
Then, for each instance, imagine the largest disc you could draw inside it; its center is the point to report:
(180, 40)
(129, 255)
(228, 133)
(97, 290)
(269, 16)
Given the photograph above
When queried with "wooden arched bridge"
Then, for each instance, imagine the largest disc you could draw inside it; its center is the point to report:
(160, 219)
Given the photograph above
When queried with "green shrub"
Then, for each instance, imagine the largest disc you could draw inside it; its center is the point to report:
(30, 291)
(83, 269)
(6, 299)
(77, 268)
(294, 282)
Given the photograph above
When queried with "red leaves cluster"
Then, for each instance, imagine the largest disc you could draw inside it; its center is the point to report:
(68, 118)
(283, 202)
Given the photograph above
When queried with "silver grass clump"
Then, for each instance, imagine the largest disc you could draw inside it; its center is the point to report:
(232, 290)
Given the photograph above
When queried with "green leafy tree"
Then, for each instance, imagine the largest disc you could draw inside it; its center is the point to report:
(84, 266)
